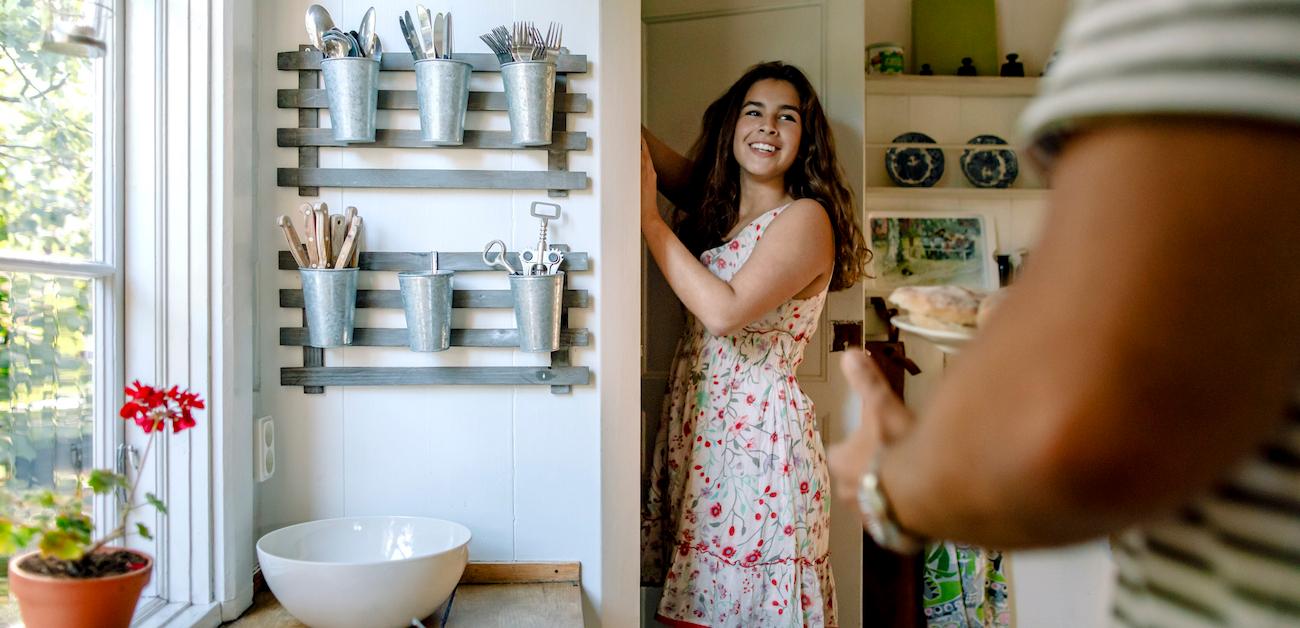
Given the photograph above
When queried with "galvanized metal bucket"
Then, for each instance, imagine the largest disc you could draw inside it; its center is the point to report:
(537, 310)
(442, 88)
(426, 297)
(530, 100)
(352, 87)
(330, 296)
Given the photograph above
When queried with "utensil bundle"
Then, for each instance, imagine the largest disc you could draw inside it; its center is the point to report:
(525, 42)
(332, 241)
(336, 43)
(544, 260)
(433, 39)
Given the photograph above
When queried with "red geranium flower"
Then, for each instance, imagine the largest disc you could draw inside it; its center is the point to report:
(152, 408)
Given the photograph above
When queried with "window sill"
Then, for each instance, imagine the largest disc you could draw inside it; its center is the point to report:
(155, 613)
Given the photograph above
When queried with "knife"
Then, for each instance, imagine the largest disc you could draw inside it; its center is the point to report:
(323, 236)
(309, 227)
(349, 243)
(296, 248)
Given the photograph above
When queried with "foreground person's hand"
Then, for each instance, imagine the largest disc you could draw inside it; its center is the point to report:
(884, 418)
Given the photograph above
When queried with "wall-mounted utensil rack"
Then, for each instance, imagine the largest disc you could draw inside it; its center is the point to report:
(308, 138)
(313, 375)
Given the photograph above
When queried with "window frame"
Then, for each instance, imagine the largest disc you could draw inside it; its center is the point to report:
(103, 269)
(162, 270)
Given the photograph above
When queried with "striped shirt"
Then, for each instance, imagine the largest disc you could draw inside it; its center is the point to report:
(1231, 558)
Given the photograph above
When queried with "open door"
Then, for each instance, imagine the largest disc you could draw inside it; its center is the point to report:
(693, 51)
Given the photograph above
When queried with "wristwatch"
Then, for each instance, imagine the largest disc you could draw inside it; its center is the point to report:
(879, 514)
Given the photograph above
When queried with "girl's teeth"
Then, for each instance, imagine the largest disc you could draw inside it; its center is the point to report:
(767, 148)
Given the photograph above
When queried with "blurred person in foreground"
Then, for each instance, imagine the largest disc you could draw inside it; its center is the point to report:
(1141, 379)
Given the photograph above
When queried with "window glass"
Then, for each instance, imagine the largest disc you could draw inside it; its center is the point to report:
(46, 385)
(48, 104)
(50, 208)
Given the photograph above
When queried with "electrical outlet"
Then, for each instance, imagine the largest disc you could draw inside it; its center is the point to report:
(264, 442)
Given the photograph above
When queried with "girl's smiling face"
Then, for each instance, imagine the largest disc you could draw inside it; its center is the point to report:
(768, 130)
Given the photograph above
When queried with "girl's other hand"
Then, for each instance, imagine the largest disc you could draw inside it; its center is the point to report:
(649, 188)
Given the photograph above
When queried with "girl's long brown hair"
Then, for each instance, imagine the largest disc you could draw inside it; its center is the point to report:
(713, 206)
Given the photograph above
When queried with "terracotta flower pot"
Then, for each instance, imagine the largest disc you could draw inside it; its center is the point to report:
(57, 602)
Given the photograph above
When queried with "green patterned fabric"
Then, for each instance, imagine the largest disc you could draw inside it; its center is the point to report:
(965, 587)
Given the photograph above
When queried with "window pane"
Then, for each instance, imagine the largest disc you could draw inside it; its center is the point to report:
(48, 104)
(46, 386)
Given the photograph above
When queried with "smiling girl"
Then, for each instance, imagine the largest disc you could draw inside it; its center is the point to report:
(736, 517)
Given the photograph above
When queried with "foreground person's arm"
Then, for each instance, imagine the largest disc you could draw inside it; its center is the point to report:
(1152, 344)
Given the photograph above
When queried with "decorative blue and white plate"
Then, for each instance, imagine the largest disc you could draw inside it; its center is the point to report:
(990, 167)
(914, 167)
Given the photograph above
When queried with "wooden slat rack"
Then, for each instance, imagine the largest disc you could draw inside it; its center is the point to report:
(313, 375)
(308, 138)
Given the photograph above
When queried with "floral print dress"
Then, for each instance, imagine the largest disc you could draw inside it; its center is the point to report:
(735, 522)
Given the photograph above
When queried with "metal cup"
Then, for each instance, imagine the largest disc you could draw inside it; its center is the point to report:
(330, 296)
(426, 297)
(530, 100)
(352, 87)
(537, 310)
(442, 88)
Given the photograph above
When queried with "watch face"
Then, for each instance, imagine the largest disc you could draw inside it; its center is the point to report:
(875, 511)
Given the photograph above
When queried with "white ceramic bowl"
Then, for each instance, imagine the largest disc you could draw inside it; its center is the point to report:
(364, 571)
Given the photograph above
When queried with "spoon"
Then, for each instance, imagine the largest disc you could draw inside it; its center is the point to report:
(367, 33)
(335, 48)
(318, 21)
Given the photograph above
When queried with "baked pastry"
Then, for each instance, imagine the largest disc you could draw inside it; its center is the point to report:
(939, 307)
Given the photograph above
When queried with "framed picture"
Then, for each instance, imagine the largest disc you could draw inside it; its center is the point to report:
(931, 249)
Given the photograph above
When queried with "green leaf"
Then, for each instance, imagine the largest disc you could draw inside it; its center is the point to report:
(157, 503)
(144, 531)
(62, 545)
(46, 499)
(8, 540)
(102, 481)
(78, 525)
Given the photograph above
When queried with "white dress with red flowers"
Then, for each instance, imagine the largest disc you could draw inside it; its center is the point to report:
(735, 522)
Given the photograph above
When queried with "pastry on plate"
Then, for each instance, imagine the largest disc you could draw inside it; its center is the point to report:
(952, 308)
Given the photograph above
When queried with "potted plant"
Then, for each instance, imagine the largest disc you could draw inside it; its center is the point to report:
(71, 579)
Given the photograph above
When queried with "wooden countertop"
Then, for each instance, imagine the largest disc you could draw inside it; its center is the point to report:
(528, 595)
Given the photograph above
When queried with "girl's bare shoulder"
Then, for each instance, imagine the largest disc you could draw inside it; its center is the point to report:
(805, 216)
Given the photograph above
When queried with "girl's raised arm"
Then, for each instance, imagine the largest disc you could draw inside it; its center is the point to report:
(673, 169)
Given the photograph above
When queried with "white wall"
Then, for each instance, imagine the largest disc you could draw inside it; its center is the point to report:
(519, 466)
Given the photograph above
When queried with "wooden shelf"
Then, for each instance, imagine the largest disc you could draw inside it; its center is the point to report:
(915, 85)
(314, 376)
(956, 192)
(308, 99)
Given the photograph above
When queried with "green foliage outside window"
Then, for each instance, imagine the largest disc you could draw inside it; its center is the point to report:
(47, 161)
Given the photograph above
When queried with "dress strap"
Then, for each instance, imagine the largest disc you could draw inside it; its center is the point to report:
(760, 224)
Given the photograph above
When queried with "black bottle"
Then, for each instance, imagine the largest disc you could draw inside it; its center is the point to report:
(925, 70)
(1013, 67)
(966, 68)
(1004, 270)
